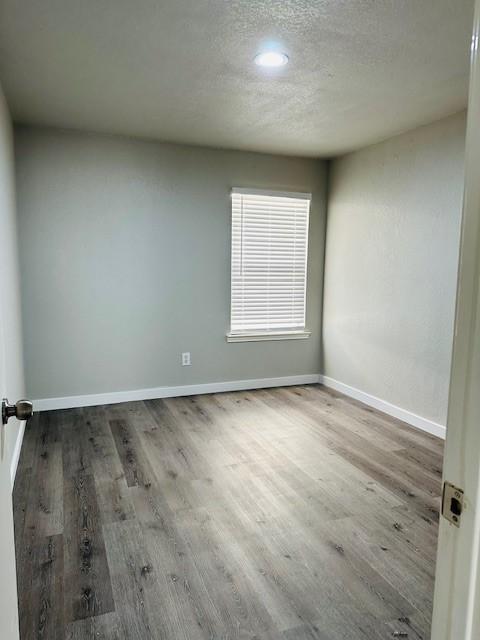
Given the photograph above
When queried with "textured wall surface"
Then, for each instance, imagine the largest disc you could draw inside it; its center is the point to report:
(12, 359)
(391, 265)
(125, 255)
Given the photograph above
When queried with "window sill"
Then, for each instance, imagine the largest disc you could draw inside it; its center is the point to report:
(271, 335)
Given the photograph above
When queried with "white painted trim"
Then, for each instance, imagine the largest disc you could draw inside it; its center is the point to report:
(382, 405)
(69, 402)
(456, 610)
(16, 453)
(271, 335)
(274, 194)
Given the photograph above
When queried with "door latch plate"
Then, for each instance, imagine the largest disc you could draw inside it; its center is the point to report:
(452, 503)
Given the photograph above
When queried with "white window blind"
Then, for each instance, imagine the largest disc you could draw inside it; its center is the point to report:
(269, 261)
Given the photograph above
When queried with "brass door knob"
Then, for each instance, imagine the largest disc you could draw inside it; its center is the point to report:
(22, 410)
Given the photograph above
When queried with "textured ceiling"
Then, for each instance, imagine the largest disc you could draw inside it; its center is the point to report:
(182, 70)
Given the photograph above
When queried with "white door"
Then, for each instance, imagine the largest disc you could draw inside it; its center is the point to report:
(456, 613)
(8, 579)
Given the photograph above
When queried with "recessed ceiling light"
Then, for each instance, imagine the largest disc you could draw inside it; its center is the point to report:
(271, 59)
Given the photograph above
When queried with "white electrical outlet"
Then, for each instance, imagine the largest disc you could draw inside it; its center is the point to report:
(186, 361)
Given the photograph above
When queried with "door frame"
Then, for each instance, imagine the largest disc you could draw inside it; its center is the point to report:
(456, 613)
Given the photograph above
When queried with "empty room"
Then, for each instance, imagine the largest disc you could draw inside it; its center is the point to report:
(240, 320)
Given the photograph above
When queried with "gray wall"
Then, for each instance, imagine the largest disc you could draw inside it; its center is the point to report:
(391, 266)
(9, 281)
(125, 255)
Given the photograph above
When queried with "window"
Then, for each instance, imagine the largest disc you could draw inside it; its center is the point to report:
(269, 265)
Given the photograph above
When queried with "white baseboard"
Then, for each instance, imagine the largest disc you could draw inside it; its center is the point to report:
(69, 402)
(397, 412)
(16, 453)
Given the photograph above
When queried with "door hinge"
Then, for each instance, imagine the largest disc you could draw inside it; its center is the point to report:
(452, 503)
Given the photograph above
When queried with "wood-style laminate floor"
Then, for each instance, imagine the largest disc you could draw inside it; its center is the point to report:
(286, 514)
